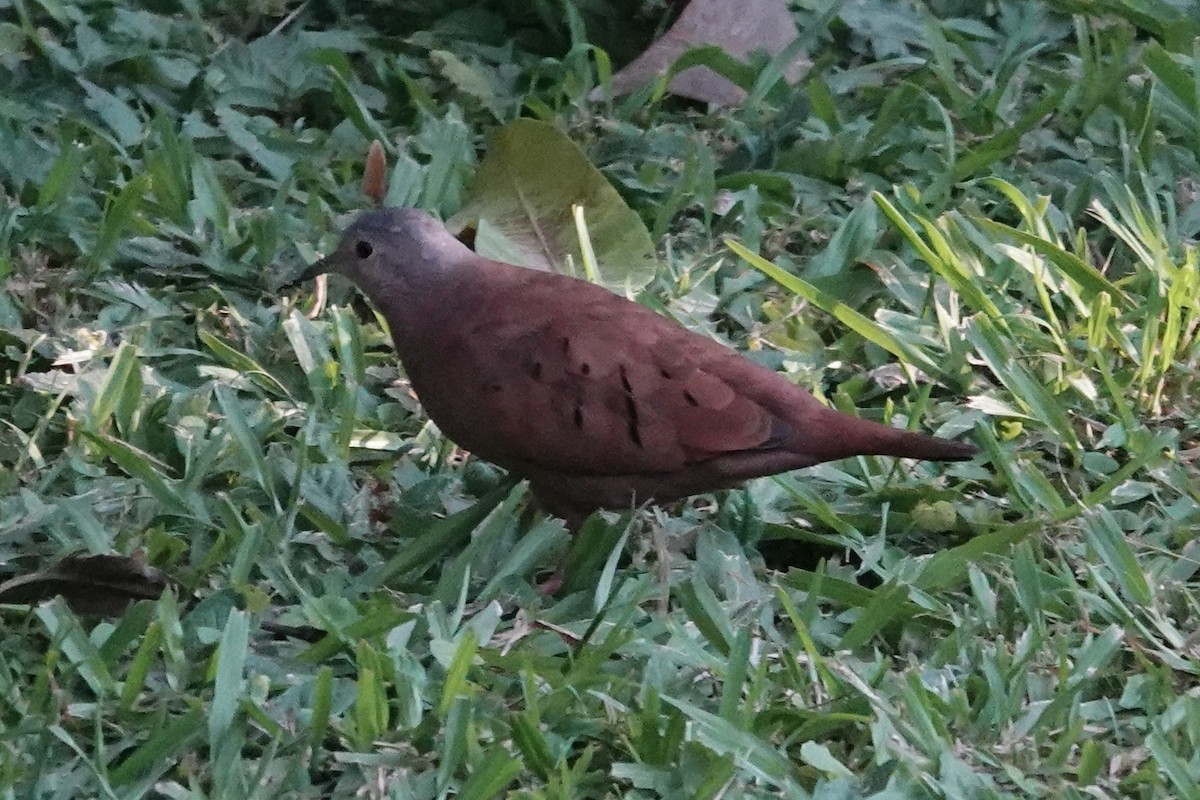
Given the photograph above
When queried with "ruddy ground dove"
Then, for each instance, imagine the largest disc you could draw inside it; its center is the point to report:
(598, 401)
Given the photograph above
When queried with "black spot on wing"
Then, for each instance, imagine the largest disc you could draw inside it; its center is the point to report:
(631, 414)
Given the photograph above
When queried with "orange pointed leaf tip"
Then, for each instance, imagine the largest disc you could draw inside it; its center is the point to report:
(375, 173)
(598, 401)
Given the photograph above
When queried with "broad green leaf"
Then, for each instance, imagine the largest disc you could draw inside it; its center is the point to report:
(1111, 544)
(250, 444)
(1004, 144)
(889, 604)
(238, 127)
(122, 372)
(156, 755)
(119, 213)
(490, 777)
(139, 668)
(456, 685)
(115, 112)
(322, 701)
(706, 613)
(751, 753)
(141, 465)
(525, 189)
(370, 699)
(228, 679)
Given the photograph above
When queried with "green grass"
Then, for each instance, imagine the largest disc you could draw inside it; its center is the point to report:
(977, 219)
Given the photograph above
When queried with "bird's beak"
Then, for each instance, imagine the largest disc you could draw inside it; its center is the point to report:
(313, 270)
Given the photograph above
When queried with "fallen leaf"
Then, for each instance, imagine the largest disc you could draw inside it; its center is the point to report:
(738, 29)
(101, 585)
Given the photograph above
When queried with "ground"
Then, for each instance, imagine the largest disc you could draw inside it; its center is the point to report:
(976, 219)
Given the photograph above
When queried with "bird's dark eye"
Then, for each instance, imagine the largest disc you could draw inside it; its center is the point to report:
(363, 249)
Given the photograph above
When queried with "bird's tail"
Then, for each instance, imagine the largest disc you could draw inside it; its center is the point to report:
(830, 435)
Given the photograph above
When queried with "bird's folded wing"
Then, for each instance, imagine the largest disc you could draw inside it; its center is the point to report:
(597, 386)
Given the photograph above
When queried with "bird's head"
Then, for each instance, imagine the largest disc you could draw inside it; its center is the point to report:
(393, 250)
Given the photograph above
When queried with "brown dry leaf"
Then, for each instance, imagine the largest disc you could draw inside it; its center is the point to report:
(375, 173)
(103, 585)
(737, 28)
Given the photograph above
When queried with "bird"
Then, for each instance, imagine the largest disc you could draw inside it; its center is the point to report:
(598, 401)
